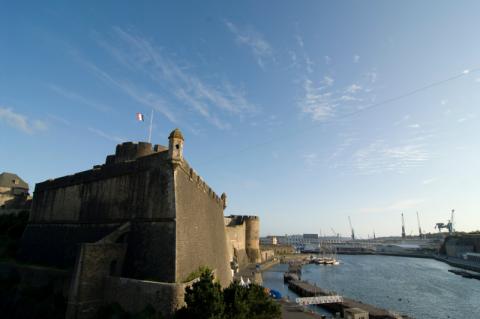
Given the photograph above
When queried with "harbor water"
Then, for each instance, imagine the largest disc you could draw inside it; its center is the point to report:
(420, 288)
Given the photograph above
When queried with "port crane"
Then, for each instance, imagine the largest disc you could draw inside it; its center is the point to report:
(448, 225)
(351, 228)
(403, 227)
(419, 227)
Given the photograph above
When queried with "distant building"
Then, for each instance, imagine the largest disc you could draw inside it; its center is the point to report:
(13, 191)
(269, 240)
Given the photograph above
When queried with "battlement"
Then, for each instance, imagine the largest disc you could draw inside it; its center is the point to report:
(235, 220)
(200, 183)
(130, 151)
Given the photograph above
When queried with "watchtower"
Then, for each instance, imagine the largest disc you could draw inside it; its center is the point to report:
(175, 146)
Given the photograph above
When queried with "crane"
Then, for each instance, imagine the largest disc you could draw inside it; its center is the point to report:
(351, 228)
(403, 227)
(448, 225)
(419, 227)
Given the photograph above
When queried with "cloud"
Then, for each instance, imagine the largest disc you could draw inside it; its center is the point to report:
(328, 81)
(415, 125)
(174, 80)
(78, 98)
(323, 101)
(20, 121)
(249, 37)
(106, 135)
(144, 97)
(328, 60)
(378, 157)
(317, 103)
(356, 58)
(354, 88)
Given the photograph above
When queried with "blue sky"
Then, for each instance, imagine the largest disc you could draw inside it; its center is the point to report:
(274, 99)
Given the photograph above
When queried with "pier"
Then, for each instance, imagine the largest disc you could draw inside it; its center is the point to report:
(305, 289)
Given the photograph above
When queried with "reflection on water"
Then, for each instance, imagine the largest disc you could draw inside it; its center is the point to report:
(421, 288)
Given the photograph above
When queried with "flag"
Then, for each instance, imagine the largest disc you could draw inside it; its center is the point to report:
(140, 117)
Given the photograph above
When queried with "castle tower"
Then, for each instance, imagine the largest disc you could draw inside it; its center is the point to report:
(252, 238)
(175, 146)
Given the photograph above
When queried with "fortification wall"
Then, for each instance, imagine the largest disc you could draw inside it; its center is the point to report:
(200, 233)
(236, 242)
(114, 192)
(136, 295)
(85, 207)
(94, 263)
(151, 251)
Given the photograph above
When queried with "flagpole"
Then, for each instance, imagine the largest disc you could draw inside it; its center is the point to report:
(150, 130)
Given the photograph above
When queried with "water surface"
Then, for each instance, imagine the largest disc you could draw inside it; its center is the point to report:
(421, 288)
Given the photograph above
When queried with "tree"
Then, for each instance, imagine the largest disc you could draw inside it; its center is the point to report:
(249, 302)
(206, 300)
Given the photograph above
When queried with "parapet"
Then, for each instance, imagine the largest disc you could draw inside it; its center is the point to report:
(236, 220)
(130, 151)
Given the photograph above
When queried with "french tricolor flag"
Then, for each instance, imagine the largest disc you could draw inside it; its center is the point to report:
(140, 117)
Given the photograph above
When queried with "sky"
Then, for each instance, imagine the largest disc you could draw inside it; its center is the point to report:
(304, 113)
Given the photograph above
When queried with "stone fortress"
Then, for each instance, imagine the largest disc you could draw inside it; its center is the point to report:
(134, 229)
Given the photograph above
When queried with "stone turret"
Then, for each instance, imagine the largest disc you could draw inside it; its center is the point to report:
(175, 146)
(252, 238)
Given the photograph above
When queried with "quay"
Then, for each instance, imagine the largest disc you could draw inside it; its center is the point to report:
(305, 289)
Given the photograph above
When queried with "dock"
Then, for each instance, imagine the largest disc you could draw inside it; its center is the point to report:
(305, 289)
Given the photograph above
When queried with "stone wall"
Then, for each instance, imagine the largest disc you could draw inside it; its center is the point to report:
(95, 262)
(109, 193)
(200, 231)
(236, 242)
(134, 295)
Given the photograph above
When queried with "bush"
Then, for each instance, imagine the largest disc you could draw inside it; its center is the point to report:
(206, 300)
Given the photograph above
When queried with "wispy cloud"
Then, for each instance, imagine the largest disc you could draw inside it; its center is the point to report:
(78, 98)
(174, 81)
(106, 135)
(328, 60)
(260, 48)
(354, 88)
(379, 157)
(323, 101)
(317, 103)
(356, 58)
(144, 97)
(21, 122)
